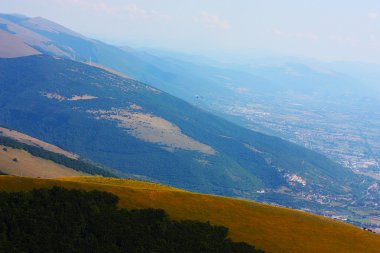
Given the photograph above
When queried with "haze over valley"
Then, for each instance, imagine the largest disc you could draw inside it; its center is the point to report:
(278, 123)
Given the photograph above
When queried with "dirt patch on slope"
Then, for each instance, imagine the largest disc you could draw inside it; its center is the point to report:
(153, 129)
(58, 97)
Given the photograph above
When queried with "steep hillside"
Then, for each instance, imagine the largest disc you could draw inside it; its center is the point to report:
(142, 131)
(270, 228)
(11, 46)
(23, 155)
(9, 24)
(29, 140)
(21, 163)
(53, 39)
(303, 101)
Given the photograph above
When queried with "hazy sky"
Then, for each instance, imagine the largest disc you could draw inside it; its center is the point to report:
(323, 29)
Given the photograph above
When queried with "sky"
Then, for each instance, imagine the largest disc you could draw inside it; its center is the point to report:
(330, 30)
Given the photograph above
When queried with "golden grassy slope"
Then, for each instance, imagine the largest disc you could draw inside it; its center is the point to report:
(28, 165)
(270, 228)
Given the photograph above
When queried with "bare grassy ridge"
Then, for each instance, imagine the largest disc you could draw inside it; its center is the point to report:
(28, 165)
(11, 46)
(23, 138)
(267, 227)
(94, 64)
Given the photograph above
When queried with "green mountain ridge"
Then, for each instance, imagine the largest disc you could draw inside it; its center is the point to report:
(139, 130)
(148, 134)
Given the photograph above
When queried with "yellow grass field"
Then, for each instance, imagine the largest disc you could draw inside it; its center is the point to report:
(273, 229)
(28, 165)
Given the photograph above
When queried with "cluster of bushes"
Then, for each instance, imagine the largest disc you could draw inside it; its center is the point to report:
(78, 165)
(61, 220)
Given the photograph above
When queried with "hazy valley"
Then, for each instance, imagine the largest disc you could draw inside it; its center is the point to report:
(226, 144)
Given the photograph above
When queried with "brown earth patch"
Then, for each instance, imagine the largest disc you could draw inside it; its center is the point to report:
(153, 129)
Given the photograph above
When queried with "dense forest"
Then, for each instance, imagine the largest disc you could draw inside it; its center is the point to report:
(61, 220)
(78, 165)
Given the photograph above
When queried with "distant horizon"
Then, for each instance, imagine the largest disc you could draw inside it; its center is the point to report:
(254, 53)
(324, 31)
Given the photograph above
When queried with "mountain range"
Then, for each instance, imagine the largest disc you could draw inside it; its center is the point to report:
(87, 97)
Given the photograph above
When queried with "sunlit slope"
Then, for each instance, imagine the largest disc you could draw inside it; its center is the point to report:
(24, 155)
(270, 228)
(11, 46)
(29, 140)
(21, 163)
